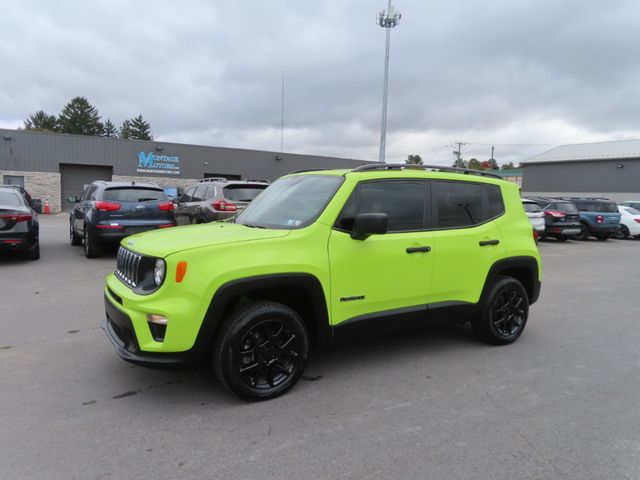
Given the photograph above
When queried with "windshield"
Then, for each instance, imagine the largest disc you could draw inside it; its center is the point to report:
(290, 202)
(128, 194)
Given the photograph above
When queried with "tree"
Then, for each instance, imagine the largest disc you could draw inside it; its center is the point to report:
(414, 160)
(475, 164)
(493, 165)
(109, 129)
(41, 121)
(507, 166)
(136, 129)
(80, 117)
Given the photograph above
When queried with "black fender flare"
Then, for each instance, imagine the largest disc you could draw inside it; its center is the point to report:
(524, 264)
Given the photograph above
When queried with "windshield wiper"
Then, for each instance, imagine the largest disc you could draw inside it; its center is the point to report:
(251, 225)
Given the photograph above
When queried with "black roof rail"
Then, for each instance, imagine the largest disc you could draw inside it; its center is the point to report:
(404, 166)
(311, 170)
(212, 179)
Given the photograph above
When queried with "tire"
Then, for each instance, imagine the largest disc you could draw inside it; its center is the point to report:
(91, 249)
(505, 313)
(261, 351)
(34, 252)
(584, 233)
(622, 232)
(74, 239)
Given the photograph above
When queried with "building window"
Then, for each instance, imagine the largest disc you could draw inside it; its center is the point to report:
(13, 180)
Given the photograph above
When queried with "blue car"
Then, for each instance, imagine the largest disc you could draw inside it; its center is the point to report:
(599, 217)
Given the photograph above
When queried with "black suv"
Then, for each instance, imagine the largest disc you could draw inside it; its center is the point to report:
(19, 228)
(561, 218)
(216, 199)
(109, 211)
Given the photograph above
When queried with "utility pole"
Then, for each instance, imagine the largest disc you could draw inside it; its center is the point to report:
(458, 153)
(492, 147)
(387, 20)
(282, 118)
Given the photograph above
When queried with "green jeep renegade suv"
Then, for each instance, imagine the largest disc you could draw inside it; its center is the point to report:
(321, 255)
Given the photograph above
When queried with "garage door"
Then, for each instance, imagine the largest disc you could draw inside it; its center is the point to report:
(74, 177)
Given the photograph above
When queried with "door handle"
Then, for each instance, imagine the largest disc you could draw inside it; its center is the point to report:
(418, 249)
(484, 243)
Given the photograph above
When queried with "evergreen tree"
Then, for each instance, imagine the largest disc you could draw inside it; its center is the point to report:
(136, 129)
(109, 129)
(81, 118)
(414, 160)
(42, 122)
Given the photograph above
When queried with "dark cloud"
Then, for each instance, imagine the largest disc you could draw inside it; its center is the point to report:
(500, 72)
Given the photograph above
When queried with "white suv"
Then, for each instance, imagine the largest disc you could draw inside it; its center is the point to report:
(535, 215)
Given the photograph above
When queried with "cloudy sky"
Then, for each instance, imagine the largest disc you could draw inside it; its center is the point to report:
(522, 75)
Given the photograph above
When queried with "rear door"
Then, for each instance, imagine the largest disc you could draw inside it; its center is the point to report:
(467, 239)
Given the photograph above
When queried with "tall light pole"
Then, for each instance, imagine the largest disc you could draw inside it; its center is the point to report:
(387, 20)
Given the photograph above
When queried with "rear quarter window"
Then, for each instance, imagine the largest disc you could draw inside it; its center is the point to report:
(465, 204)
(136, 195)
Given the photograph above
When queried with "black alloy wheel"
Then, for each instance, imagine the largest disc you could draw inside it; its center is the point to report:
(505, 313)
(622, 232)
(74, 239)
(584, 233)
(261, 350)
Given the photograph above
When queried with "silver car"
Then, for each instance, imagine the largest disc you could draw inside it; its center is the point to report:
(535, 215)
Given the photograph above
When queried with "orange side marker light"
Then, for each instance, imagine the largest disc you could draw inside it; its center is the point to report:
(181, 271)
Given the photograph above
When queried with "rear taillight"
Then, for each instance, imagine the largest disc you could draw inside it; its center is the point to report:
(224, 206)
(167, 225)
(535, 236)
(555, 214)
(103, 206)
(17, 218)
(599, 219)
(637, 220)
(166, 206)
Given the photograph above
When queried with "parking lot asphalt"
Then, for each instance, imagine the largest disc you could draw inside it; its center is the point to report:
(562, 402)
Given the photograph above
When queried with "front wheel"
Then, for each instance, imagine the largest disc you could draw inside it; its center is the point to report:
(505, 313)
(261, 351)
(74, 239)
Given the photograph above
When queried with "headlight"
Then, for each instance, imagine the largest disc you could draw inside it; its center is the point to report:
(159, 272)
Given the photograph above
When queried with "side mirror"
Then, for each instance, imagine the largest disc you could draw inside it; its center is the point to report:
(73, 199)
(366, 224)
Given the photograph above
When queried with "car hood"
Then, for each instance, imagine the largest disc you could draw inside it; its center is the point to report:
(164, 242)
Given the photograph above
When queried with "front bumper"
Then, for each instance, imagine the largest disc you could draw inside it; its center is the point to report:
(121, 333)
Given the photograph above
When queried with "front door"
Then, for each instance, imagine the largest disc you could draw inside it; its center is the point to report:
(384, 274)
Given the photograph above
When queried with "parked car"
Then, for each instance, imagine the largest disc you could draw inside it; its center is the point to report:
(323, 255)
(107, 212)
(216, 199)
(535, 216)
(631, 203)
(173, 192)
(599, 217)
(629, 222)
(19, 227)
(561, 218)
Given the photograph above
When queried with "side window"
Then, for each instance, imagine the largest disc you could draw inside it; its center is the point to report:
(87, 193)
(92, 193)
(402, 200)
(465, 204)
(199, 194)
(186, 196)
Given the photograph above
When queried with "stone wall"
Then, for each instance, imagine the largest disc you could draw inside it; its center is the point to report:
(42, 185)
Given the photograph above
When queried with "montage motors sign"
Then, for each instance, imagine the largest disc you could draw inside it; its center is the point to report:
(163, 164)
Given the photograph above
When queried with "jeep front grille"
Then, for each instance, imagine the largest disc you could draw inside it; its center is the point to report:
(127, 266)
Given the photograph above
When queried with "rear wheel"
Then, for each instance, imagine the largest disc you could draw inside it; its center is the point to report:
(261, 351)
(584, 233)
(505, 313)
(91, 249)
(34, 252)
(74, 239)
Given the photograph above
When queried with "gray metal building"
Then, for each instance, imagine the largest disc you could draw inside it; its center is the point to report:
(602, 169)
(53, 166)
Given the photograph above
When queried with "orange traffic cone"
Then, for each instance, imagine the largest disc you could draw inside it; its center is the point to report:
(47, 208)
